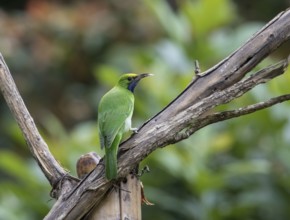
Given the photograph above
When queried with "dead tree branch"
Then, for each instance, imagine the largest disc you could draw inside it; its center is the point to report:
(233, 92)
(183, 116)
(180, 119)
(39, 149)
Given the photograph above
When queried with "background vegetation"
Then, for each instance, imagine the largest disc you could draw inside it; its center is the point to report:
(64, 55)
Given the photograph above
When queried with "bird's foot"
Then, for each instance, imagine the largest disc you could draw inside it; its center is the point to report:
(134, 130)
(143, 171)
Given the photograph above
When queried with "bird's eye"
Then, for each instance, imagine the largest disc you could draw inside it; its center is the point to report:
(130, 79)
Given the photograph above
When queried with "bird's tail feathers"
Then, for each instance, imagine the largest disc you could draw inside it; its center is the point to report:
(111, 163)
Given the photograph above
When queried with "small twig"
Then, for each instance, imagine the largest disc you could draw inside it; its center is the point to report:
(196, 68)
(249, 109)
(226, 115)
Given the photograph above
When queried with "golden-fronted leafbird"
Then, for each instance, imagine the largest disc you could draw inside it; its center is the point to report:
(114, 118)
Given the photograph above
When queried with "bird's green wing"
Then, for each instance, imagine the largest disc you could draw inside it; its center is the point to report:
(114, 108)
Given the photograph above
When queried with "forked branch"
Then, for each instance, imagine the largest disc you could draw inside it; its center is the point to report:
(181, 118)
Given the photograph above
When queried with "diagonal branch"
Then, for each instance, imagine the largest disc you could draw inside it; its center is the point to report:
(39, 149)
(201, 118)
(168, 132)
(179, 127)
(184, 115)
(217, 86)
(234, 67)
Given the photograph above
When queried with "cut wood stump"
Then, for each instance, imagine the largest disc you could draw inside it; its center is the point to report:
(123, 202)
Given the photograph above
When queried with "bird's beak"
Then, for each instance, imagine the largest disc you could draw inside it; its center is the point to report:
(133, 84)
(143, 75)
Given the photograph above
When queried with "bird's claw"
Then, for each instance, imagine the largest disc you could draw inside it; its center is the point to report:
(134, 130)
(143, 171)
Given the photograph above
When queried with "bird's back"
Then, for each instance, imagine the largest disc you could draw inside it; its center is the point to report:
(114, 108)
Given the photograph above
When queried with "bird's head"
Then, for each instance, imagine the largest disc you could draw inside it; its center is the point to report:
(130, 80)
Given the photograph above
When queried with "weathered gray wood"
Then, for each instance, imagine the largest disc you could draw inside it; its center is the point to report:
(122, 202)
(130, 198)
(39, 149)
(177, 121)
(109, 208)
(234, 67)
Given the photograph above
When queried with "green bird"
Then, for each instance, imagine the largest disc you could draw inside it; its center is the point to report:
(114, 118)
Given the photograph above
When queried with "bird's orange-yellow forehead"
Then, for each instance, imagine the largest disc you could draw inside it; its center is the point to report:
(127, 75)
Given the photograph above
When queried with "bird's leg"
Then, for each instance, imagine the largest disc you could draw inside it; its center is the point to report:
(134, 130)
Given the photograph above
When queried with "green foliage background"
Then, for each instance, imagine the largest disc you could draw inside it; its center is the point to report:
(65, 56)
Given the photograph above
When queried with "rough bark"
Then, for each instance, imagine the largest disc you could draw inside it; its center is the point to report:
(39, 149)
(186, 114)
(177, 119)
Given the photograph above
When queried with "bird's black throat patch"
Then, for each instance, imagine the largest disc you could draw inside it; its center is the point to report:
(132, 85)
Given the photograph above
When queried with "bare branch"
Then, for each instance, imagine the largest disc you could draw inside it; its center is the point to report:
(225, 115)
(216, 86)
(234, 67)
(39, 149)
(181, 118)
(201, 118)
